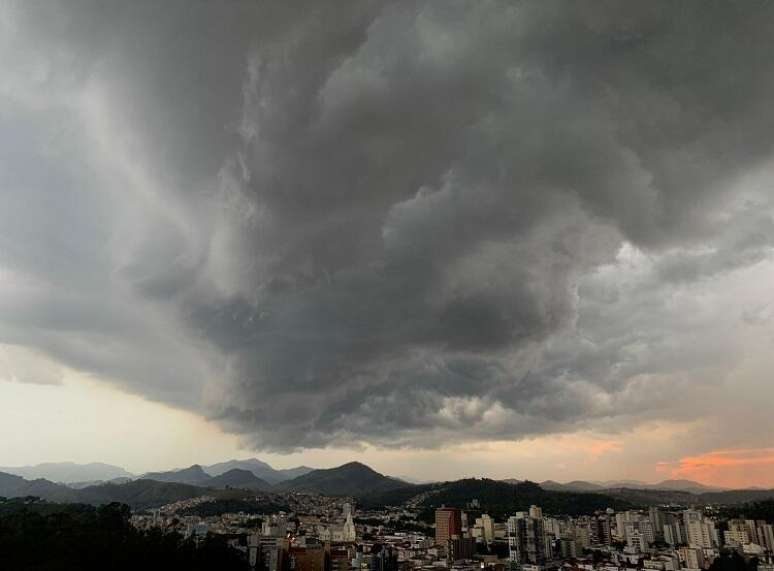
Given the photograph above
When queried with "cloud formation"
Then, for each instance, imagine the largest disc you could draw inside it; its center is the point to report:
(386, 223)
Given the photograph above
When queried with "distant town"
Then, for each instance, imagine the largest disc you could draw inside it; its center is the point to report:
(321, 535)
(308, 521)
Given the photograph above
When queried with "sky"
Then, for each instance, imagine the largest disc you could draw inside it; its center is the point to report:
(444, 238)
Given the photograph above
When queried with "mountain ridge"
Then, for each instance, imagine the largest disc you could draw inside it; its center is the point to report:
(362, 482)
(238, 478)
(68, 472)
(259, 468)
(193, 475)
(665, 485)
(350, 479)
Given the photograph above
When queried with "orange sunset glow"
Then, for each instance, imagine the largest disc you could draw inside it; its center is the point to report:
(728, 468)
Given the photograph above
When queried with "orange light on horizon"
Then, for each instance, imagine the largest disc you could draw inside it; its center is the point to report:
(733, 468)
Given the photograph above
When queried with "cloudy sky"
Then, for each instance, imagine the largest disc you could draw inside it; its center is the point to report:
(522, 239)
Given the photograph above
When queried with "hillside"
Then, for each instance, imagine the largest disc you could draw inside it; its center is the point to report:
(10, 484)
(501, 498)
(80, 485)
(574, 486)
(651, 497)
(259, 468)
(14, 486)
(193, 475)
(290, 473)
(68, 472)
(498, 498)
(666, 486)
(139, 494)
(237, 478)
(729, 497)
(47, 536)
(352, 479)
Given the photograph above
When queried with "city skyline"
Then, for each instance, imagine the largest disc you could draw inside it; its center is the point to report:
(517, 240)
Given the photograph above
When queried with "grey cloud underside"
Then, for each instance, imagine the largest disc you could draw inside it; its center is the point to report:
(386, 223)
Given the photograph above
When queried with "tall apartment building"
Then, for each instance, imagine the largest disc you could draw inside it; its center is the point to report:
(657, 520)
(692, 557)
(702, 533)
(599, 529)
(766, 536)
(486, 526)
(526, 539)
(674, 533)
(448, 522)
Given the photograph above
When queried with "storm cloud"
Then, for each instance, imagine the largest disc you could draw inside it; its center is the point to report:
(389, 223)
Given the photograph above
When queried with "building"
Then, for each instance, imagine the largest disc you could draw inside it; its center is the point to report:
(536, 512)
(310, 557)
(526, 539)
(448, 522)
(766, 534)
(460, 548)
(737, 533)
(485, 528)
(674, 533)
(268, 553)
(348, 531)
(701, 533)
(599, 530)
(692, 557)
(657, 522)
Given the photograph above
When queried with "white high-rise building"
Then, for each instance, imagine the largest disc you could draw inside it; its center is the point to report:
(702, 534)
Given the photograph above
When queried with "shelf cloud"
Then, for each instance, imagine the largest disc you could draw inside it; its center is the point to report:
(395, 224)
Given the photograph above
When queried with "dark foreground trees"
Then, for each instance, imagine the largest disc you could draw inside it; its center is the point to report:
(732, 561)
(52, 537)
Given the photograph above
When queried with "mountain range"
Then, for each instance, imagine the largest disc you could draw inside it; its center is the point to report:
(69, 472)
(261, 470)
(369, 487)
(153, 489)
(193, 475)
(83, 475)
(672, 485)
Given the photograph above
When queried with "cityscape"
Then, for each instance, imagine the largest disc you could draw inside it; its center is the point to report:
(662, 539)
(384, 285)
(309, 523)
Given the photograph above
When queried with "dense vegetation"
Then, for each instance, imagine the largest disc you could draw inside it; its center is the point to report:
(732, 561)
(396, 497)
(756, 510)
(41, 536)
(498, 498)
(234, 505)
(501, 499)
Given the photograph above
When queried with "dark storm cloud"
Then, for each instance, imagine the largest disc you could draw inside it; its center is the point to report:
(388, 223)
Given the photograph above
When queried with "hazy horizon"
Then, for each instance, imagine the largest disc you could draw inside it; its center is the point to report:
(354, 458)
(513, 239)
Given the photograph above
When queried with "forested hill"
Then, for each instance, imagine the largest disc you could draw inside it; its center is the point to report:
(41, 536)
(497, 498)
